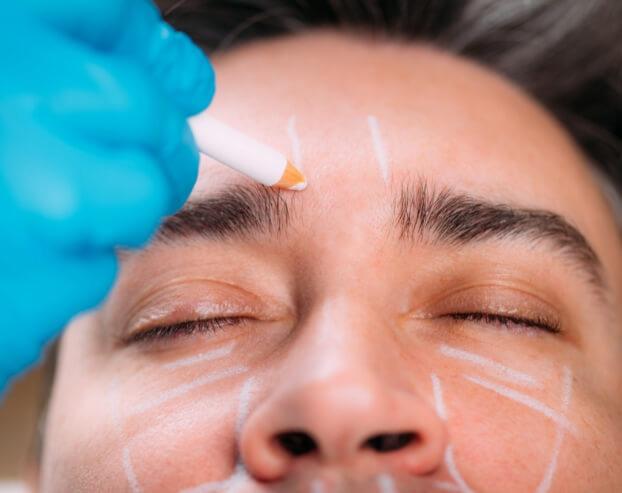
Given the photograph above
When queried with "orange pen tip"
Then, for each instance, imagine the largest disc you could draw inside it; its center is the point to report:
(292, 178)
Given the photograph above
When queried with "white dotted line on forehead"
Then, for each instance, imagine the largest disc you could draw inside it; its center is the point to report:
(379, 148)
(295, 142)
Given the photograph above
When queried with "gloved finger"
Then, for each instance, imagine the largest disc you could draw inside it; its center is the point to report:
(80, 197)
(98, 98)
(41, 295)
(180, 67)
(117, 126)
(134, 29)
(95, 22)
(116, 103)
(102, 96)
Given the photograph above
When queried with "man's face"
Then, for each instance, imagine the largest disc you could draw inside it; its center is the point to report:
(438, 311)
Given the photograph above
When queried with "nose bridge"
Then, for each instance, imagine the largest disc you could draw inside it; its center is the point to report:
(344, 400)
(337, 342)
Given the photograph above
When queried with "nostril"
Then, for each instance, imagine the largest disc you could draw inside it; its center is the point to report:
(389, 442)
(297, 442)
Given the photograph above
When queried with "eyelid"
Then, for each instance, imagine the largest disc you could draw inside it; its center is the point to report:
(490, 299)
(200, 299)
(178, 312)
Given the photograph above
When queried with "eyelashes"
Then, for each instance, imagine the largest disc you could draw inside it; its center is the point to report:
(187, 328)
(217, 324)
(509, 321)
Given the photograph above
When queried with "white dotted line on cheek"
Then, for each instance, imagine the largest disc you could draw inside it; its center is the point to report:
(240, 475)
(126, 459)
(243, 408)
(497, 369)
(547, 480)
(525, 400)
(560, 419)
(439, 402)
(186, 388)
(454, 472)
(130, 475)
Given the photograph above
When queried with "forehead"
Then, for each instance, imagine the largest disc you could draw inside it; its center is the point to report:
(362, 109)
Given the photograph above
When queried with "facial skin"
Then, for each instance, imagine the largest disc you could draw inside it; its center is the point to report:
(346, 329)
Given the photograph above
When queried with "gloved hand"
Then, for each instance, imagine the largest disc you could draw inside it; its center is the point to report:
(94, 150)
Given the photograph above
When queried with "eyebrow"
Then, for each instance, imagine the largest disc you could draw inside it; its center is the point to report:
(236, 212)
(457, 219)
(421, 213)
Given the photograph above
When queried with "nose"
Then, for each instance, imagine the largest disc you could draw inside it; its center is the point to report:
(346, 423)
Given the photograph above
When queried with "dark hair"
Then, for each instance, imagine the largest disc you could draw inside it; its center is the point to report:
(566, 53)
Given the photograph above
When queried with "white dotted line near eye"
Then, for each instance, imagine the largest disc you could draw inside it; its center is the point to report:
(500, 371)
(187, 387)
(215, 354)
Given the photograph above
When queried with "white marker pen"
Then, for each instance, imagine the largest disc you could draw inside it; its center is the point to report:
(244, 154)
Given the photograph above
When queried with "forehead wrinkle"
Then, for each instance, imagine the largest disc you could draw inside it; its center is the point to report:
(422, 213)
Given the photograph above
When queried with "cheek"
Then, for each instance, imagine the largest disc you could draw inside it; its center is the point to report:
(183, 447)
(99, 439)
(181, 443)
(497, 441)
(82, 446)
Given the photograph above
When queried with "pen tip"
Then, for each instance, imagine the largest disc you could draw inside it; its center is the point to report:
(292, 178)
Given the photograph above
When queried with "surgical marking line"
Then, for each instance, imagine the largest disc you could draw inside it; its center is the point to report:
(379, 149)
(547, 479)
(240, 470)
(129, 471)
(128, 468)
(243, 407)
(317, 486)
(200, 358)
(501, 371)
(295, 142)
(526, 400)
(385, 483)
(453, 471)
(446, 486)
(187, 387)
(439, 402)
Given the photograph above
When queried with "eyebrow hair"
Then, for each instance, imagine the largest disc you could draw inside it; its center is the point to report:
(457, 219)
(235, 212)
(420, 213)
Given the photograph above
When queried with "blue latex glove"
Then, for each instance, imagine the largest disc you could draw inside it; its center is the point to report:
(94, 150)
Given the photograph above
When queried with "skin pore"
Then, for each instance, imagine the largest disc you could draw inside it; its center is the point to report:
(345, 355)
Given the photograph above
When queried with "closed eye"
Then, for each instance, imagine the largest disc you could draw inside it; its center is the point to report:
(186, 328)
(508, 321)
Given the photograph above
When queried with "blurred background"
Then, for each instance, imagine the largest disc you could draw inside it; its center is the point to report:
(18, 423)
